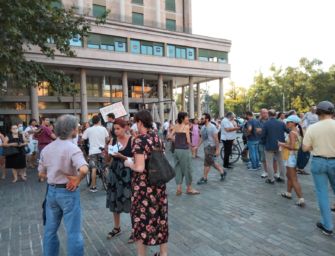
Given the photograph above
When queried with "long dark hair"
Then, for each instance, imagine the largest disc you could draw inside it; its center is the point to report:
(301, 131)
(145, 117)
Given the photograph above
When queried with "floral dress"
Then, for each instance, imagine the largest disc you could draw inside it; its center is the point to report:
(149, 204)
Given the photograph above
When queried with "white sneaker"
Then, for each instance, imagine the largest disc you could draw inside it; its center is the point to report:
(277, 175)
(264, 175)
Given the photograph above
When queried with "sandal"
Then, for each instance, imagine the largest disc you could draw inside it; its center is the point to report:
(115, 232)
(285, 195)
(179, 193)
(193, 192)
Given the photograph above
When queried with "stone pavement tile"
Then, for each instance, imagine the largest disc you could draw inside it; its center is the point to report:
(241, 216)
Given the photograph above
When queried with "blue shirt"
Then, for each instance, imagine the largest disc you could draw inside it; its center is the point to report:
(273, 131)
(253, 136)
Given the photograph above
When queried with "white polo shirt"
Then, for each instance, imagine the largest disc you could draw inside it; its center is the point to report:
(226, 123)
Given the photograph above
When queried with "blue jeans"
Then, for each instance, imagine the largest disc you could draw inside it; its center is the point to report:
(253, 153)
(323, 171)
(63, 203)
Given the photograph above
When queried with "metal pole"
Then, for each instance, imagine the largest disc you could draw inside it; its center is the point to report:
(143, 93)
(283, 103)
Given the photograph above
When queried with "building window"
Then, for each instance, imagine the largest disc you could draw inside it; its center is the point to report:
(180, 52)
(170, 5)
(146, 48)
(98, 10)
(45, 89)
(57, 4)
(93, 86)
(106, 42)
(117, 91)
(190, 53)
(76, 41)
(135, 46)
(171, 51)
(136, 91)
(213, 56)
(137, 2)
(138, 18)
(170, 25)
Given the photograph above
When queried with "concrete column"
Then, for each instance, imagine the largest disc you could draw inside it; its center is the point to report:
(34, 103)
(187, 11)
(183, 107)
(83, 96)
(198, 101)
(125, 91)
(122, 11)
(221, 98)
(158, 13)
(161, 97)
(191, 98)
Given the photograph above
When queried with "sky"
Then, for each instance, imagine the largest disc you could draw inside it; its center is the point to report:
(266, 32)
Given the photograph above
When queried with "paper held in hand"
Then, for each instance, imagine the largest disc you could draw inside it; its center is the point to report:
(117, 109)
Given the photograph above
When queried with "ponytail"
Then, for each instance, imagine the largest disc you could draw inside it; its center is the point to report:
(301, 131)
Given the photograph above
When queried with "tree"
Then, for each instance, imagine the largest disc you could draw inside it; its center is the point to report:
(301, 87)
(34, 23)
(236, 100)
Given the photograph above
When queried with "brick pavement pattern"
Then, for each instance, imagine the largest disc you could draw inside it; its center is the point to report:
(241, 216)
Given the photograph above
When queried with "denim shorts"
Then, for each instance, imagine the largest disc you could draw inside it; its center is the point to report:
(291, 161)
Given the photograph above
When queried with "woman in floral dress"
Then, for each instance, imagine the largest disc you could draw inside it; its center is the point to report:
(149, 208)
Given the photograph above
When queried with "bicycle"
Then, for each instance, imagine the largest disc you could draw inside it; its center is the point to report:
(237, 152)
(102, 172)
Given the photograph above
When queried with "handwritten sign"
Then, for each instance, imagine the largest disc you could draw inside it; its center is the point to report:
(117, 109)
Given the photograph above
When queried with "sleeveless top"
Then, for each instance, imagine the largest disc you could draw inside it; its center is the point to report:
(181, 141)
(127, 151)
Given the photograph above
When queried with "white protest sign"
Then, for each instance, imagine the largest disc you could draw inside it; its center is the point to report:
(117, 109)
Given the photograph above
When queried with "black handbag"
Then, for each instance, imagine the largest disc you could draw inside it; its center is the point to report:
(10, 151)
(160, 171)
(302, 159)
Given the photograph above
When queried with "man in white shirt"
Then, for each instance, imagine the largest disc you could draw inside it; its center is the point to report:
(97, 136)
(228, 135)
(310, 118)
(29, 134)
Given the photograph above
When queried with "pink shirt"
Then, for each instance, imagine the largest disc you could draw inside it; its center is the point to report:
(61, 158)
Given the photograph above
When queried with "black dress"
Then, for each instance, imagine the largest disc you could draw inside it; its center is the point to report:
(17, 161)
(119, 184)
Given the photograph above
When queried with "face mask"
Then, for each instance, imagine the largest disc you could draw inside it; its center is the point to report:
(20, 129)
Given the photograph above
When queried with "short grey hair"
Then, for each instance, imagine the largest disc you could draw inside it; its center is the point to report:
(65, 125)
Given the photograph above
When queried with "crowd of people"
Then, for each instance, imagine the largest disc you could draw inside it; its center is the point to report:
(66, 151)
(280, 144)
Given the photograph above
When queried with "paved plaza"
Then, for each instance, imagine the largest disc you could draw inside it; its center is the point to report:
(242, 216)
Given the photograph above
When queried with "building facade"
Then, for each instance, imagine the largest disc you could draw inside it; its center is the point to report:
(143, 52)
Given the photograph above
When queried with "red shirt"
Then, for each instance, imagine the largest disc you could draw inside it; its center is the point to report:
(43, 137)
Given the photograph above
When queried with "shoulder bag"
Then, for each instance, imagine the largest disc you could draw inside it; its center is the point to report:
(160, 171)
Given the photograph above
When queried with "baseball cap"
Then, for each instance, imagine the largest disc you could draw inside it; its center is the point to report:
(293, 119)
(326, 106)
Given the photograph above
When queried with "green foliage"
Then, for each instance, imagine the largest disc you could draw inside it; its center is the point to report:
(25, 24)
(301, 87)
